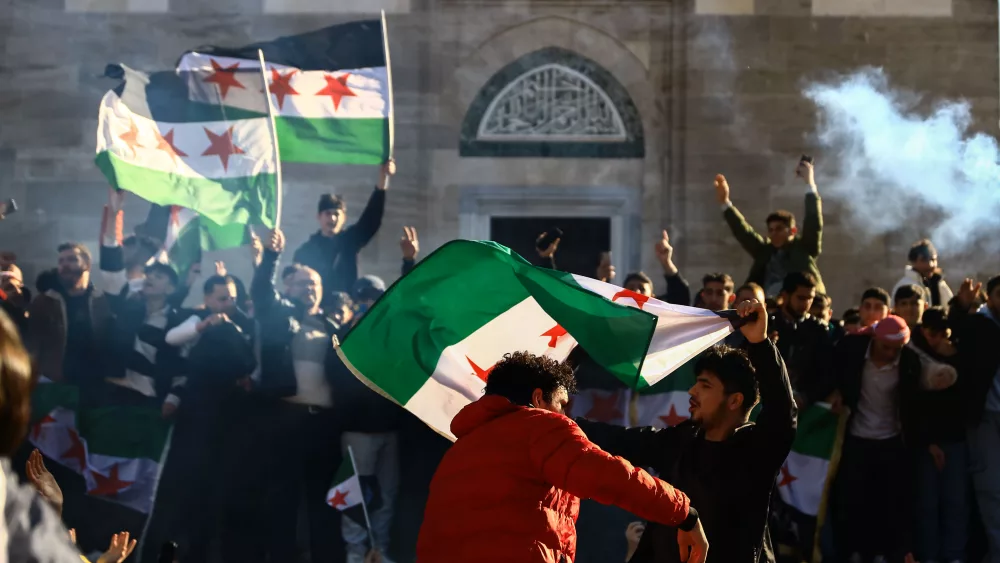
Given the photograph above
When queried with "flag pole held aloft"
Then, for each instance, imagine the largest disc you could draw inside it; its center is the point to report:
(279, 192)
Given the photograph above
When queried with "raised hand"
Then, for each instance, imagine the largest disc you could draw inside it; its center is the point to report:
(388, 171)
(549, 251)
(721, 189)
(968, 292)
(665, 254)
(43, 481)
(605, 269)
(220, 268)
(756, 330)
(256, 248)
(276, 241)
(116, 199)
(119, 550)
(805, 171)
(409, 243)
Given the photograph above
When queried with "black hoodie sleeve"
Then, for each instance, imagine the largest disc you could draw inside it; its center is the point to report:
(262, 291)
(775, 427)
(369, 222)
(678, 290)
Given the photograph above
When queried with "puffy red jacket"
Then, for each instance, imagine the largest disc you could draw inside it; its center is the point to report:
(509, 489)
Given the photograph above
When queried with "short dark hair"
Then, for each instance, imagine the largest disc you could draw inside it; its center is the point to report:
(992, 284)
(518, 374)
(330, 201)
(795, 280)
(718, 277)
(733, 368)
(161, 268)
(822, 298)
(210, 283)
(852, 316)
(923, 248)
(751, 286)
(783, 216)
(79, 248)
(935, 319)
(876, 293)
(908, 291)
(339, 299)
(288, 271)
(641, 276)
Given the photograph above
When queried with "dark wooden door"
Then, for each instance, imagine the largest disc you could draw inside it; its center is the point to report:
(584, 239)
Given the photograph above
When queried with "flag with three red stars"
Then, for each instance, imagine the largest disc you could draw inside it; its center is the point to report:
(118, 450)
(217, 161)
(430, 342)
(330, 89)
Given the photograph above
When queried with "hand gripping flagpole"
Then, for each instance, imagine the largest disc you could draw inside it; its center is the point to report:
(274, 139)
(364, 504)
(388, 76)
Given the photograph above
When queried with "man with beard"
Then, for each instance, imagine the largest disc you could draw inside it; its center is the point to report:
(298, 371)
(67, 324)
(726, 464)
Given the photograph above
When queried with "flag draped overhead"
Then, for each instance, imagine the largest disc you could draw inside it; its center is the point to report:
(155, 142)
(430, 342)
(330, 90)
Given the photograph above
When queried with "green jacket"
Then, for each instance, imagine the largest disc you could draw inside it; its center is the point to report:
(803, 250)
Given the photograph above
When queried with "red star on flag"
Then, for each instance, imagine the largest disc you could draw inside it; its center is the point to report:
(224, 77)
(786, 476)
(338, 499)
(639, 298)
(108, 486)
(131, 137)
(281, 85)
(336, 88)
(221, 146)
(604, 409)
(76, 451)
(554, 333)
(165, 143)
(480, 372)
(36, 430)
(672, 418)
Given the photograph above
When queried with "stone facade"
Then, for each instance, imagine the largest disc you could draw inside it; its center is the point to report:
(713, 84)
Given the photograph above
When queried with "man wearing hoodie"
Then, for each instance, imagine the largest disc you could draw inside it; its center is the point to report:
(333, 250)
(509, 488)
(924, 272)
(977, 334)
(726, 464)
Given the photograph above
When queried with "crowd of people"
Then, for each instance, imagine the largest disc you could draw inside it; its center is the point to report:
(264, 410)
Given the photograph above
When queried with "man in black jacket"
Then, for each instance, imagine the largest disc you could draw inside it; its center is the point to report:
(878, 378)
(298, 363)
(333, 250)
(977, 330)
(803, 340)
(726, 464)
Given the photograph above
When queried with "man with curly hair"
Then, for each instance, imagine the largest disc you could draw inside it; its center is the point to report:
(509, 488)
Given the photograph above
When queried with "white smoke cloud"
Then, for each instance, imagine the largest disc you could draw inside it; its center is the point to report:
(895, 168)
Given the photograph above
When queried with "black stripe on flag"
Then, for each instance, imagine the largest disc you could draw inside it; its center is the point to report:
(349, 45)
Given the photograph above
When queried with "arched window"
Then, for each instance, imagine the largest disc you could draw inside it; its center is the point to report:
(552, 103)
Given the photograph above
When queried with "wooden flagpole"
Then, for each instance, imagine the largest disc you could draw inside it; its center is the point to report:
(388, 74)
(274, 139)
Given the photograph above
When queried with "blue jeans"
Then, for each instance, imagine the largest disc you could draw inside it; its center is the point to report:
(984, 463)
(943, 505)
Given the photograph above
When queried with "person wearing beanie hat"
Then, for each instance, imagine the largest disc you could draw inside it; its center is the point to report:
(924, 272)
(878, 378)
(332, 251)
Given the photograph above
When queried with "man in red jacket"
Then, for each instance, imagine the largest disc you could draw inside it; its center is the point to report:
(509, 489)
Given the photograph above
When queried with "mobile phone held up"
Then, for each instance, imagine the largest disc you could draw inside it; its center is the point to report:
(806, 158)
(8, 207)
(548, 238)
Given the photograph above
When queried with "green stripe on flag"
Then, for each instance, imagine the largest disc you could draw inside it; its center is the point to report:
(817, 432)
(333, 141)
(463, 286)
(344, 472)
(125, 432)
(47, 396)
(223, 200)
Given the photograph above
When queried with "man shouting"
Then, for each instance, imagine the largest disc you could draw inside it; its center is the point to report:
(508, 489)
(726, 464)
